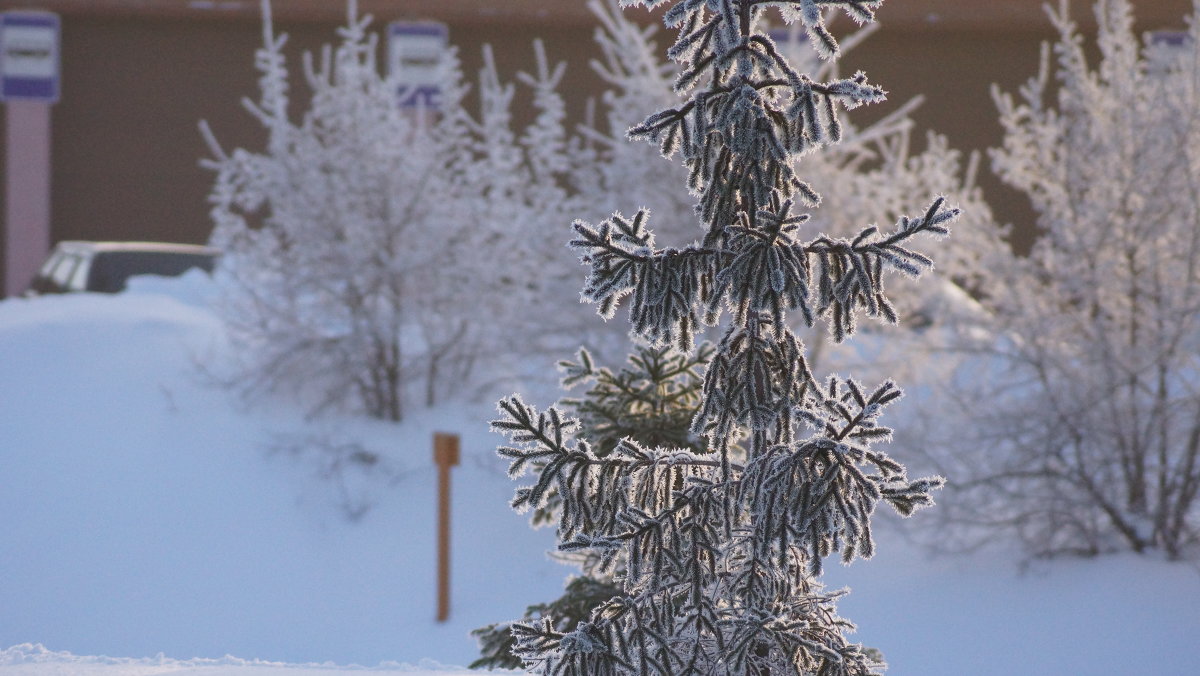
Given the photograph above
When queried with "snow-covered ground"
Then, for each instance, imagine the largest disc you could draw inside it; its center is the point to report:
(145, 517)
(37, 660)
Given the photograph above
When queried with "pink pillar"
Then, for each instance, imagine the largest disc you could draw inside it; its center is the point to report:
(27, 201)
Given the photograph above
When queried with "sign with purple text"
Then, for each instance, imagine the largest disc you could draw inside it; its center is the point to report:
(1169, 38)
(415, 54)
(29, 61)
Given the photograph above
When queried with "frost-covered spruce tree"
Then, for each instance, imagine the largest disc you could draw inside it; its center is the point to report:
(1088, 424)
(723, 548)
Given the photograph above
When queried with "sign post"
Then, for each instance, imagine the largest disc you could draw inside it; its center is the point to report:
(415, 54)
(29, 84)
(445, 456)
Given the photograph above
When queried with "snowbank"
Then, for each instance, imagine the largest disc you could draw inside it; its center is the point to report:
(30, 658)
(145, 510)
(146, 514)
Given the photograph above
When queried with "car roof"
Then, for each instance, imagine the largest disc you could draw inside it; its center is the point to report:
(166, 247)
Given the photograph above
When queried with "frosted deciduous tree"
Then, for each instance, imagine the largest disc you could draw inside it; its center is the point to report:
(723, 548)
(363, 250)
(1088, 430)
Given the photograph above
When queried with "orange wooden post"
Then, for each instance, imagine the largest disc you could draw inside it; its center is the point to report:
(445, 456)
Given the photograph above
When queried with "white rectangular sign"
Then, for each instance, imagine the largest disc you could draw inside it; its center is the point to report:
(415, 53)
(1169, 38)
(29, 56)
(29, 52)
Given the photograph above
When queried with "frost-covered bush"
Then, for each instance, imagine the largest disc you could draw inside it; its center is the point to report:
(371, 247)
(722, 548)
(1083, 419)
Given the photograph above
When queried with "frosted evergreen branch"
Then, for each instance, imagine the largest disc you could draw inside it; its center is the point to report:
(664, 283)
(815, 495)
(811, 635)
(774, 273)
(543, 442)
(756, 378)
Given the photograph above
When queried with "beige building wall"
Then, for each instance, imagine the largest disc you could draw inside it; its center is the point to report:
(137, 77)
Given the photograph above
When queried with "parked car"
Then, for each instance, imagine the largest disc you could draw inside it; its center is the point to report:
(106, 266)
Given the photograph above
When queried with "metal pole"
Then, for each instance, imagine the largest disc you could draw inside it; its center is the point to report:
(29, 84)
(27, 188)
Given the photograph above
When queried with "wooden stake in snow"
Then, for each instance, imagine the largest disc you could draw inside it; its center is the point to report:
(445, 456)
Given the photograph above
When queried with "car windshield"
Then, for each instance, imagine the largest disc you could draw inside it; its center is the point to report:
(111, 269)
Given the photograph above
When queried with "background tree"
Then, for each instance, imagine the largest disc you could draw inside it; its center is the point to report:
(1085, 412)
(723, 548)
(362, 252)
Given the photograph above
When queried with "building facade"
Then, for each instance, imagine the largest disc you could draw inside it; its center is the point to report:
(138, 76)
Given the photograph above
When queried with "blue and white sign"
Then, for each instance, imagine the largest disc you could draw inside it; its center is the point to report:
(1169, 38)
(415, 54)
(29, 56)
